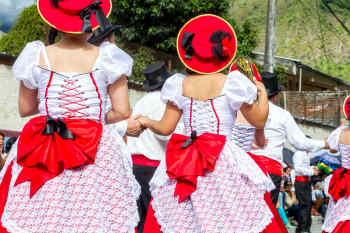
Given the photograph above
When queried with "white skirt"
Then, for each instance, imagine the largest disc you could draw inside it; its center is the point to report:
(229, 199)
(94, 198)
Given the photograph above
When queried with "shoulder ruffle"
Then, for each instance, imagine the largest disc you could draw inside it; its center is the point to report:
(23, 67)
(333, 138)
(172, 90)
(239, 89)
(114, 61)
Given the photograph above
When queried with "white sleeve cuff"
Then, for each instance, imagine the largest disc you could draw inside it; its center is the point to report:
(121, 128)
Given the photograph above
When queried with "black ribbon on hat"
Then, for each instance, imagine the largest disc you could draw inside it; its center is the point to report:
(189, 141)
(57, 126)
(216, 38)
(85, 15)
(186, 44)
(55, 3)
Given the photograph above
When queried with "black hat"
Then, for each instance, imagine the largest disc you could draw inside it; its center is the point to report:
(155, 74)
(271, 83)
(102, 32)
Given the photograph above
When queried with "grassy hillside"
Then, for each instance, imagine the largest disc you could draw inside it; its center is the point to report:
(305, 30)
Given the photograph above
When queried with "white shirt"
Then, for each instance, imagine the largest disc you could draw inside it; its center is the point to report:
(280, 127)
(151, 145)
(301, 161)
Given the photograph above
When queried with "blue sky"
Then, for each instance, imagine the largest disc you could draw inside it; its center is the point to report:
(9, 10)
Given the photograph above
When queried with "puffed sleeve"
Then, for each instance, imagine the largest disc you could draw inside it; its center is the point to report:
(239, 89)
(172, 90)
(114, 61)
(23, 67)
(333, 138)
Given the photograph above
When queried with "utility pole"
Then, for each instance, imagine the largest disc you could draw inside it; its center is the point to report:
(270, 40)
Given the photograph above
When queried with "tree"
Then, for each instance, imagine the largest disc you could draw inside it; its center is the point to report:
(155, 23)
(247, 36)
(28, 27)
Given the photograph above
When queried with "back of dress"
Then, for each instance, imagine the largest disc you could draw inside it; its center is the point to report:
(213, 115)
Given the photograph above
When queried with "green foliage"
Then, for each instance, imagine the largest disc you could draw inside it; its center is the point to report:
(305, 30)
(342, 70)
(28, 27)
(246, 37)
(142, 58)
(155, 23)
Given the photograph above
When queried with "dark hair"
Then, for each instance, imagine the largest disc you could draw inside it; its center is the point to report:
(2, 134)
(100, 41)
(52, 35)
(9, 144)
(190, 72)
(270, 97)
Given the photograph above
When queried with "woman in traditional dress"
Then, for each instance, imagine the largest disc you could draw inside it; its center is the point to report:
(337, 218)
(207, 183)
(69, 171)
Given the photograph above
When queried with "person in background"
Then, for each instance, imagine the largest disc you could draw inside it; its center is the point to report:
(319, 200)
(280, 127)
(7, 150)
(281, 208)
(149, 149)
(303, 172)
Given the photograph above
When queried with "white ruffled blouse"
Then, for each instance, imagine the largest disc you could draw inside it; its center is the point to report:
(72, 95)
(214, 115)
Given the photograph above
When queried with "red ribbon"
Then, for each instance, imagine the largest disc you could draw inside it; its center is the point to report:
(186, 164)
(339, 185)
(43, 157)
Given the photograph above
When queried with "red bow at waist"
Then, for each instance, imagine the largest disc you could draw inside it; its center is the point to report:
(339, 185)
(46, 147)
(189, 157)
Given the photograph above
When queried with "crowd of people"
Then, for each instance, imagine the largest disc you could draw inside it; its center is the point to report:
(297, 211)
(203, 151)
(5, 148)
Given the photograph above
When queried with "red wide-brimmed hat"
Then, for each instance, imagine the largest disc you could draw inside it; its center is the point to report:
(245, 66)
(74, 16)
(206, 44)
(346, 107)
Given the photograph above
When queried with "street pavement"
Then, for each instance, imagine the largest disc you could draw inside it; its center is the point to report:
(316, 225)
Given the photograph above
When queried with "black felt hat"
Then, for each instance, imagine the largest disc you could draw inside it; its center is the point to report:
(271, 83)
(155, 74)
(102, 32)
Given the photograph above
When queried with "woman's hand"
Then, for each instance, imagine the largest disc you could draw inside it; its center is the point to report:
(143, 121)
(260, 88)
(134, 127)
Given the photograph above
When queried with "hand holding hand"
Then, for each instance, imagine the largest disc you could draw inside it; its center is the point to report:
(134, 127)
(144, 121)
